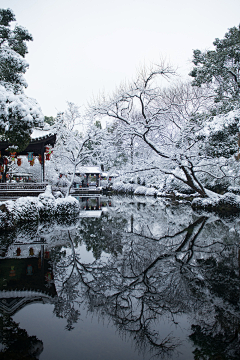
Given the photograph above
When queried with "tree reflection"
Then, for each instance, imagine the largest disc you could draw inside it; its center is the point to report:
(17, 344)
(186, 270)
(153, 261)
(102, 234)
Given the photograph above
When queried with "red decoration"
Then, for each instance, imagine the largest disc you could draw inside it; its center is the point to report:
(18, 251)
(40, 159)
(32, 162)
(19, 162)
(12, 271)
(13, 155)
(5, 161)
(47, 156)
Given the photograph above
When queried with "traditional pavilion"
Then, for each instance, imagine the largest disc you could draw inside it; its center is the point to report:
(42, 141)
(87, 176)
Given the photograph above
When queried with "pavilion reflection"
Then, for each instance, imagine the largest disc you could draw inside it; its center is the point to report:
(25, 276)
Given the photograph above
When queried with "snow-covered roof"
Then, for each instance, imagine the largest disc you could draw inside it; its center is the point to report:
(41, 133)
(89, 170)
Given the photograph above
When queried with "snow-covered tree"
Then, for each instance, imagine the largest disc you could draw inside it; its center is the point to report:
(18, 113)
(166, 123)
(76, 143)
(219, 69)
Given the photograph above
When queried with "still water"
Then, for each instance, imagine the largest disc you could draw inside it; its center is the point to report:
(132, 278)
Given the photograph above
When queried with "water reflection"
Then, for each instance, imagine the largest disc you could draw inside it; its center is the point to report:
(150, 261)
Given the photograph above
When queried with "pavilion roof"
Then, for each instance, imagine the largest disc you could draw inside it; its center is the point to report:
(39, 139)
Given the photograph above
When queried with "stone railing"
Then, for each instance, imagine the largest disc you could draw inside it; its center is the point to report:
(9, 187)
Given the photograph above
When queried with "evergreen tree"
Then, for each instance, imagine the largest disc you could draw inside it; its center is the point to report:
(220, 70)
(18, 113)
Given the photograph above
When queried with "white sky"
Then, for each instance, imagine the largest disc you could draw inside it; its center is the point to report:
(82, 48)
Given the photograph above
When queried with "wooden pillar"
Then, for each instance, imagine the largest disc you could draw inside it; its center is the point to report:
(42, 165)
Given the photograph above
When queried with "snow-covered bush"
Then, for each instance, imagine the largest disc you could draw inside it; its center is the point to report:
(19, 211)
(140, 190)
(121, 187)
(25, 209)
(7, 219)
(46, 203)
(50, 207)
(67, 207)
(31, 209)
(151, 192)
(226, 203)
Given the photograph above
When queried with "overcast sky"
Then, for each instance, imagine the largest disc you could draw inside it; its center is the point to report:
(82, 48)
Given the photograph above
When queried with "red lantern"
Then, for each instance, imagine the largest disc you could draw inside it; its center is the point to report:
(19, 162)
(47, 149)
(47, 156)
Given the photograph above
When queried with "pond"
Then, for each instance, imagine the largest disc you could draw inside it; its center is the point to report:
(132, 278)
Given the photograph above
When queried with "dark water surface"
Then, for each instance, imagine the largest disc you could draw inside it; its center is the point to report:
(133, 278)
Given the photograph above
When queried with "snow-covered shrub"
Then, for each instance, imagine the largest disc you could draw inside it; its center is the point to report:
(19, 211)
(46, 203)
(130, 188)
(31, 209)
(151, 192)
(226, 203)
(49, 206)
(7, 220)
(118, 186)
(121, 187)
(26, 209)
(67, 207)
(140, 190)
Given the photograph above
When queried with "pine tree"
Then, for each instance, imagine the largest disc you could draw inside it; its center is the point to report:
(18, 113)
(220, 70)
